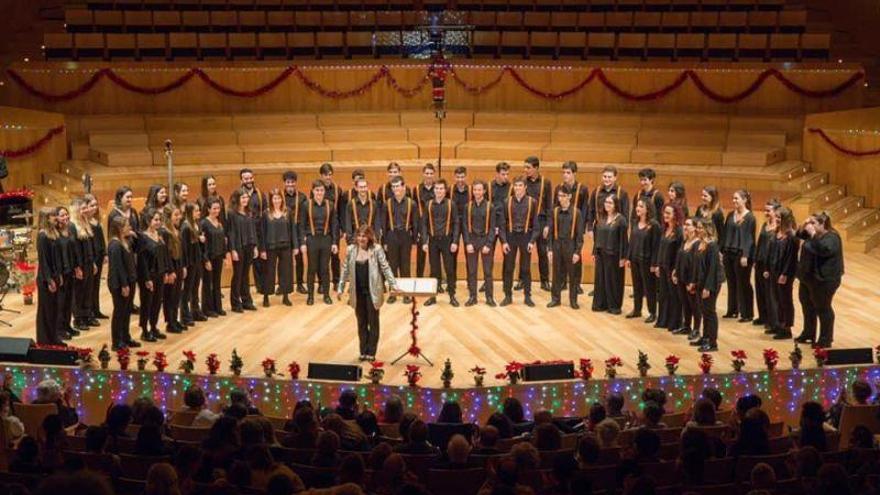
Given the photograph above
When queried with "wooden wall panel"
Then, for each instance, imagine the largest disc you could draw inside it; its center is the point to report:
(20, 128)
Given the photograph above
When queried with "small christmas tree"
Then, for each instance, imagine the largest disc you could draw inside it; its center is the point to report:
(104, 357)
(643, 365)
(235, 363)
(447, 374)
(796, 356)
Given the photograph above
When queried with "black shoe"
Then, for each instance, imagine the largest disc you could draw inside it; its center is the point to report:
(553, 304)
(81, 326)
(730, 315)
(757, 322)
(482, 287)
(744, 319)
(93, 322)
(159, 335)
(470, 302)
(101, 316)
(529, 302)
(597, 309)
(392, 299)
(206, 315)
(286, 301)
(518, 285)
(770, 331)
(300, 288)
(199, 317)
(147, 337)
(172, 329)
(823, 344)
(614, 311)
(782, 334)
(490, 302)
(265, 301)
(327, 299)
(574, 305)
(697, 343)
(507, 301)
(221, 313)
(73, 332)
(117, 346)
(135, 309)
(707, 347)
(580, 290)
(237, 309)
(431, 301)
(132, 344)
(545, 286)
(803, 339)
(651, 318)
(633, 314)
(694, 335)
(249, 307)
(310, 300)
(453, 301)
(407, 300)
(278, 290)
(681, 331)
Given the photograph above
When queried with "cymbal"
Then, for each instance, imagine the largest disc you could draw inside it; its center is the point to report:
(28, 215)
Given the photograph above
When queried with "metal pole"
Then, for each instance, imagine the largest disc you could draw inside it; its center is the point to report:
(169, 162)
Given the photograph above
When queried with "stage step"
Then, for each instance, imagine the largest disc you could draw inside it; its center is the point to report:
(280, 136)
(791, 168)
(815, 200)
(114, 139)
(843, 207)
(192, 138)
(45, 195)
(369, 134)
(676, 155)
(265, 153)
(746, 156)
(589, 153)
(865, 240)
(809, 181)
(432, 134)
(200, 155)
(197, 123)
(599, 121)
(279, 121)
(593, 137)
(349, 120)
(515, 120)
(686, 139)
(373, 151)
(454, 118)
(488, 150)
(123, 156)
(535, 137)
(856, 222)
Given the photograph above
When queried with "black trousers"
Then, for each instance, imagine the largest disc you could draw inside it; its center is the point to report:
(710, 316)
(189, 299)
(318, 248)
(279, 271)
(564, 271)
(121, 317)
(334, 267)
(763, 293)
(421, 262)
(730, 260)
(644, 286)
(171, 296)
(82, 295)
(519, 244)
(442, 261)
(816, 303)
(300, 268)
(399, 253)
(240, 289)
(668, 302)
(783, 297)
(47, 314)
(258, 266)
(96, 289)
(608, 283)
(543, 261)
(212, 299)
(739, 286)
(151, 303)
(690, 307)
(488, 260)
(65, 304)
(368, 324)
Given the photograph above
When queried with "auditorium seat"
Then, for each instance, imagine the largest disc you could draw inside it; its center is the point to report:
(121, 46)
(58, 45)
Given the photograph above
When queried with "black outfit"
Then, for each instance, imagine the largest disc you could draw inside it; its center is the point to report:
(358, 213)
(278, 240)
(596, 207)
(47, 301)
(717, 219)
(710, 276)
(783, 261)
(153, 263)
(479, 231)
(242, 230)
(100, 250)
(653, 196)
(819, 270)
(215, 252)
(172, 293)
(518, 229)
(440, 230)
(256, 209)
(643, 242)
(498, 194)
(294, 202)
(580, 200)
(121, 273)
(319, 231)
(764, 294)
(610, 246)
(64, 263)
(203, 207)
(423, 195)
(134, 221)
(540, 189)
(685, 274)
(332, 194)
(668, 303)
(365, 310)
(566, 240)
(402, 229)
(84, 260)
(739, 242)
(194, 256)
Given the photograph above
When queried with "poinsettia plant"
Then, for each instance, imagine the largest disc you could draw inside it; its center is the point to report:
(611, 365)
(293, 369)
(84, 357)
(160, 361)
(376, 372)
(143, 358)
(821, 355)
(706, 363)
(586, 368)
(123, 356)
(413, 375)
(268, 365)
(512, 372)
(672, 363)
(771, 359)
(739, 359)
(188, 363)
(213, 363)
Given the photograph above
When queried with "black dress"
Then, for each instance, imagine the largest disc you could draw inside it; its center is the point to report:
(709, 276)
(100, 250)
(610, 246)
(215, 252)
(643, 243)
(153, 264)
(783, 261)
(64, 264)
(172, 292)
(47, 300)
(122, 272)
(84, 262)
(820, 270)
(739, 242)
(668, 303)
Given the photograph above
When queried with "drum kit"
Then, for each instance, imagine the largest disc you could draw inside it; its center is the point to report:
(16, 270)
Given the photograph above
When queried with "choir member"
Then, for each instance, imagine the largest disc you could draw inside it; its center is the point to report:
(678, 197)
(764, 294)
(783, 263)
(819, 270)
(256, 208)
(539, 188)
(499, 191)
(215, 252)
(566, 224)
(440, 232)
(385, 191)
(65, 260)
(173, 288)
(84, 269)
(479, 242)
(319, 238)
(519, 231)
(609, 187)
(402, 229)
(179, 195)
(710, 209)
(460, 194)
(279, 242)
(668, 304)
(242, 233)
(331, 193)
(121, 279)
(157, 198)
(643, 243)
(209, 192)
(48, 278)
(738, 249)
(580, 197)
(684, 279)
(647, 191)
(347, 197)
(423, 194)
(100, 249)
(362, 209)
(609, 251)
(154, 269)
(193, 241)
(710, 276)
(294, 199)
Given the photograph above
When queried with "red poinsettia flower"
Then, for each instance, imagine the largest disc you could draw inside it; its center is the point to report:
(820, 353)
(613, 361)
(190, 356)
(738, 354)
(143, 354)
(672, 359)
(377, 364)
(478, 371)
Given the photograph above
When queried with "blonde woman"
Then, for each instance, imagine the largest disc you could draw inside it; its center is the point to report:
(172, 289)
(84, 270)
(64, 264)
(121, 280)
(100, 249)
(48, 278)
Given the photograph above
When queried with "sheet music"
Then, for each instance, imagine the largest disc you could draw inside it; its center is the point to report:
(417, 286)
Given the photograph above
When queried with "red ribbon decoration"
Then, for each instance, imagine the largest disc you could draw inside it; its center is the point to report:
(840, 148)
(384, 73)
(33, 147)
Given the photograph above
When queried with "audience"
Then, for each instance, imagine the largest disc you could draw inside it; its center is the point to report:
(762, 480)
(502, 423)
(812, 427)
(614, 406)
(752, 437)
(195, 401)
(13, 426)
(347, 407)
(27, 457)
(652, 416)
(547, 436)
(458, 450)
(49, 392)
(99, 460)
(418, 440)
(607, 432)
(327, 450)
(487, 441)
(162, 480)
(393, 411)
(588, 451)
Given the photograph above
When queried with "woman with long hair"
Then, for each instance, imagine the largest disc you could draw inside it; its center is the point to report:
(153, 265)
(738, 248)
(122, 208)
(609, 252)
(48, 278)
(121, 279)
(192, 239)
(668, 304)
(84, 268)
(710, 276)
(279, 241)
(710, 209)
(643, 241)
(242, 232)
(677, 196)
(64, 265)
(100, 249)
(179, 195)
(820, 270)
(157, 198)
(366, 271)
(684, 279)
(176, 272)
(209, 192)
(781, 270)
(764, 295)
(215, 252)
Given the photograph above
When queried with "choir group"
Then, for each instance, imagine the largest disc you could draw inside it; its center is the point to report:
(172, 253)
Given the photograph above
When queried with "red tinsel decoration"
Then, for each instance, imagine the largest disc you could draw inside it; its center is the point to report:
(846, 151)
(35, 146)
(414, 349)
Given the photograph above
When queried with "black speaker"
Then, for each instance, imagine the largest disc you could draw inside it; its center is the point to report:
(336, 372)
(62, 357)
(861, 355)
(14, 350)
(545, 372)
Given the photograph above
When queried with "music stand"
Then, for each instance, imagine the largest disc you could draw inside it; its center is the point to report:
(3, 292)
(414, 288)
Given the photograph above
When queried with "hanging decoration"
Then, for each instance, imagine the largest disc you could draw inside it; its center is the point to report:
(840, 148)
(33, 147)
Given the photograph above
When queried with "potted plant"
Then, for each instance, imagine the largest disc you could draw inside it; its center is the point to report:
(771, 359)
(213, 363)
(706, 363)
(188, 363)
(586, 368)
(479, 374)
(413, 375)
(123, 356)
(796, 356)
(85, 358)
(160, 361)
(672, 364)
(293, 369)
(447, 374)
(821, 356)
(643, 365)
(268, 365)
(512, 373)
(739, 359)
(376, 372)
(104, 357)
(235, 363)
(611, 365)
(143, 357)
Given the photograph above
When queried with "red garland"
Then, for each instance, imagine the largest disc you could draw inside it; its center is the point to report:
(478, 90)
(846, 151)
(246, 94)
(35, 146)
(414, 349)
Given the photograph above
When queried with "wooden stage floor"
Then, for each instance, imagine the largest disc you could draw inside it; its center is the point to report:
(479, 335)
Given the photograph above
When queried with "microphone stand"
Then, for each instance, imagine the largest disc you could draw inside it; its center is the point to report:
(169, 163)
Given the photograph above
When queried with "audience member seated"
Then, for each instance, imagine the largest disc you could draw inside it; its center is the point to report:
(647, 446)
(526, 456)
(12, 425)
(49, 392)
(139, 409)
(350, 436)
(99, 460)
(458, 449)
(502, 423)
(250, 433)
(348, 405)
(392, 413)
(588, 451)
(187, 463)
(505, 479)
(195, 400)
(220, 448)
(240, 397)
(369, 425)
(812, 427)
(117, 421)
(561, 476)
(833, 480)
(54, 442)
(449, 422)
(862, 438)
(162, 480)
(714, 396)
(392, 475)
(652, 416)
(597, 414)
(861, 392)
(694, 449)
(378, 455)
(614, 406)
(704, 415)
(487, 441)
(607, 432)
(149, 442)
(805, 464)
(27, 457)
(263, 467)
(546, 436)
(743, 405)
(327, 450)
(418, 441)
(762, 480)
(285, 485)
(305, 430)
(752, 438)
(405, 422)
(352, 470)
(514, 411)
(79, 482)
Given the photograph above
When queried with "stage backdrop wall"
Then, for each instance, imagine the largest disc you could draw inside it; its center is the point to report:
(486, 86)
(846, 145)
(22, 128)
(782, 391)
